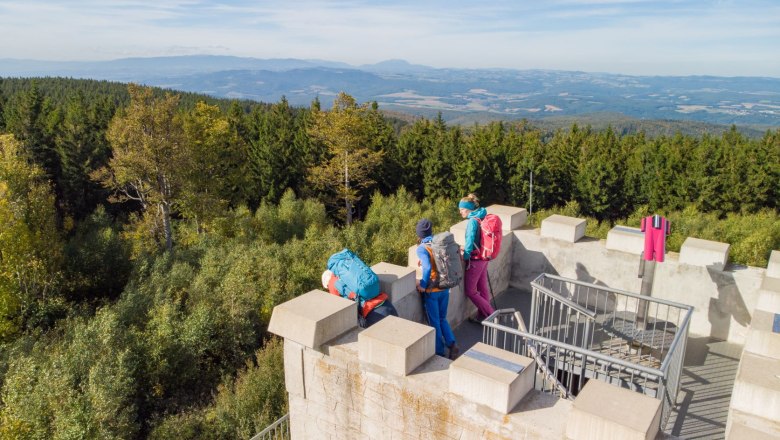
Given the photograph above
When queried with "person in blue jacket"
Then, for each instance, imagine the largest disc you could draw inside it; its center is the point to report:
(435, 300)
(475, 277)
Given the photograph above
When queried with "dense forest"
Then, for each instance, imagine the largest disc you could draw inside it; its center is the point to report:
(146, 235)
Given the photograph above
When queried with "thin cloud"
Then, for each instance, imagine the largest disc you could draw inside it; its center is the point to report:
(652, 37)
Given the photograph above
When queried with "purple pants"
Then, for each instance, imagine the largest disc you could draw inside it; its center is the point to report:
(477, 287)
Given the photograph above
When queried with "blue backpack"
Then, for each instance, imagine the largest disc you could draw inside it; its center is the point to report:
(354, 275)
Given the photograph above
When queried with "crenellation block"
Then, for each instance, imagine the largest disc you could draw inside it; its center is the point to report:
(738, 431)
(396, 281)
(757, 386)
(773, 268)
(492, 377)
(768, 301)
(770, 284)
(396, 344)
(313, 318)
(606, 412)
(764, 335)
(626, 239)
(698, 252)
(741, 426)
(511, 217)
(561, 227)
(459, 231)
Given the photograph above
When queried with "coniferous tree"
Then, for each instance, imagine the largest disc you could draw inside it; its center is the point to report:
(439, 161)
(274, 162)
(405, 161)
(82, 148)
(600, 178)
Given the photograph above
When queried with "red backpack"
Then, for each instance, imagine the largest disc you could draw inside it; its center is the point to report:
(490, 236)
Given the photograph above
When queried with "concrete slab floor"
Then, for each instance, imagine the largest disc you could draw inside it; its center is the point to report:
(705, 387)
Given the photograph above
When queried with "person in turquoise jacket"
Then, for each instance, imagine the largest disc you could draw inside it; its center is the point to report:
(475, 278)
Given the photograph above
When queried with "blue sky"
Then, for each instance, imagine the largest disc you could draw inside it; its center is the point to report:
(686, 37)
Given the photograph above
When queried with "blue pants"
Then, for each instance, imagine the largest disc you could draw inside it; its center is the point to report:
(379, 313)
(436, 309)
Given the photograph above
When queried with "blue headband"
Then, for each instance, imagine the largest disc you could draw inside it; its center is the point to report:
(468, 205)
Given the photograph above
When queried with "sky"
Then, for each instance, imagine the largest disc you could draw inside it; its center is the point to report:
(634, 37)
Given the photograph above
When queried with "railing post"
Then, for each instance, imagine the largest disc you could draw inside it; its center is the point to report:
(534, 302)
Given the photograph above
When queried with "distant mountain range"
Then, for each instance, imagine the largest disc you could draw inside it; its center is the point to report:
(462, 95)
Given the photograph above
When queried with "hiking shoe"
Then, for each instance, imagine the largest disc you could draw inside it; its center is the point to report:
(454, 351)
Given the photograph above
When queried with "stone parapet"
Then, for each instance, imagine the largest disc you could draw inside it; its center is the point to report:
(511, 217)
(743, 426)
(769, 284)
(768, 301)
(492, 377)
(396, 281)
(626, 239)
(561, 227)
(698, 252)
(349, 399)
(757, 387)
(773, 268)
(607, 412)
(397, 344)
(763, 338)
(459, 231)
(313, 318)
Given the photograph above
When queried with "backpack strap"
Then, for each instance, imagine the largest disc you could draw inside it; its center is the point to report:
(434, 271)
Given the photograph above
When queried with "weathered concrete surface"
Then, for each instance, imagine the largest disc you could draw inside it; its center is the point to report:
(606, 412)
(748, 427)
(586, 260)
(757, 387)
(561, 227)
(773, 268)
(761, 339)
(396, 344)
(626, 239)
(511, 217)
(698, 252)
(348, 399)
(722, 298)
(313, 318)
(396, 281)
(493, 377)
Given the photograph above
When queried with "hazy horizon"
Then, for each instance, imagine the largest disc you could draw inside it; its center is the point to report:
(631, 37)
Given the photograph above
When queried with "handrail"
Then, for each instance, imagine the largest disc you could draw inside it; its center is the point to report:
(610, 289)
(584, 351)
(591, 314)
(272, 427)
(680, 333)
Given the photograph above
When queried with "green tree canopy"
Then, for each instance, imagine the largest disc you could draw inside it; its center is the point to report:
(349, 171)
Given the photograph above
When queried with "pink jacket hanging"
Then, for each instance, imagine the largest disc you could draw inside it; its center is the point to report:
(656, 228)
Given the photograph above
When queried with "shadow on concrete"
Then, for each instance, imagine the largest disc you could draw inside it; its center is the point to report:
(585, 276)
(469, 333)
(705, 389)
(728, 304)
(533, 401)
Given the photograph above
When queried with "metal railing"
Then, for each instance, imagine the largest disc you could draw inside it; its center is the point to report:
(581, 331)
(278, 430)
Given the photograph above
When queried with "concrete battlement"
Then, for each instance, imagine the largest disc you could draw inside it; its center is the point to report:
(386, 381)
